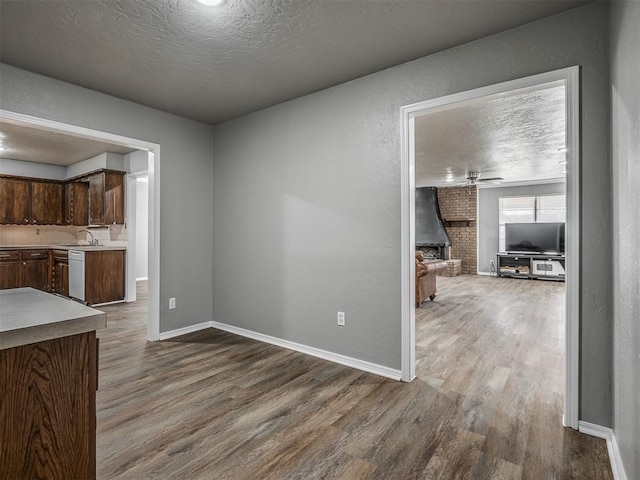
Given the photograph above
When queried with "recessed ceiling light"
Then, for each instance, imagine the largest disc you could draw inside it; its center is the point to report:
(211, 3)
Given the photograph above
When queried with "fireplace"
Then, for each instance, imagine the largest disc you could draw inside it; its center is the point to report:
(431, 236)
(435, 253)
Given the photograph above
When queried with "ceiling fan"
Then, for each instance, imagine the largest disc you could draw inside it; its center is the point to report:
(474, 178)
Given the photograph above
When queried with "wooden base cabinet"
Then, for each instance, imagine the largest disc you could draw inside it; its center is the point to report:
(25, 268)
(10, 269)
(36, 269)
(48, 409)
(104, 274)
(60, 275)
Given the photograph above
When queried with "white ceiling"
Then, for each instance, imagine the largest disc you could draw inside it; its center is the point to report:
(213, 64)
(20, 142)
(519, 137)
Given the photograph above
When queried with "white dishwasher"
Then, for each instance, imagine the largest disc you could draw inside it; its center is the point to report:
(76, 274)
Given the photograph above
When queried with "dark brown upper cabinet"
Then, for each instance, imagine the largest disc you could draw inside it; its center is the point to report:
(15, 201)
(96, 198)
(27, 201)
(76, 203)
(106, 198)
(46, 203)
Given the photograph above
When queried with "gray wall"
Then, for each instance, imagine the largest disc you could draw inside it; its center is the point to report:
(32, 169)
(625, 75)
(488, 218)
(307, 198)
(186, 179)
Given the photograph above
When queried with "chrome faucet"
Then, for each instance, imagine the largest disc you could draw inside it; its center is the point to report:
(93, 241)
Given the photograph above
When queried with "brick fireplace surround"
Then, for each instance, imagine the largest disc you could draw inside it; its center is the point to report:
(459, 206)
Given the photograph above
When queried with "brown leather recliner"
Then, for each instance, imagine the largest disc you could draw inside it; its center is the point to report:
(426, 277)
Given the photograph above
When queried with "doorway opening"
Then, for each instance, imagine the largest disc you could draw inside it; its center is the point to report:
(151, 152)
(567, 78)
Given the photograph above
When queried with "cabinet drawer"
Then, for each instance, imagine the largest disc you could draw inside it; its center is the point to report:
(9, 255)
(60, 255)
(35, 254)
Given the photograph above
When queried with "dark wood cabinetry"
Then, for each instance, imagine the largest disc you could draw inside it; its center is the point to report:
(96, 200)
(10, 269)
(36, 269)
(60, 272)
(106, 198)
(15, 201)
(28, 201)
(76, 203)
(48, 270)
(25, 268)
(50, 434)
(46, 203)
(93, 199)
(104, 276)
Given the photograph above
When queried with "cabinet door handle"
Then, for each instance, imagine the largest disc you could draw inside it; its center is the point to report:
(26, 220)
(35, 254)
(5, 256)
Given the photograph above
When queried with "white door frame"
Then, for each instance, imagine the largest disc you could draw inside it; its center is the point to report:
(570, 78)
(132, 229)
(153, 320)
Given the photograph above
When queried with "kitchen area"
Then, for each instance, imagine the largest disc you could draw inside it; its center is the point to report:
(66, 237)
(65, 205)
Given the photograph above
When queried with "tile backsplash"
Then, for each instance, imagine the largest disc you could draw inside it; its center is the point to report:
(59, 235)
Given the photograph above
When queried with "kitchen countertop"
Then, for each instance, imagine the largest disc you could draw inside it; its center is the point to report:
(85, 248)
(29, 316)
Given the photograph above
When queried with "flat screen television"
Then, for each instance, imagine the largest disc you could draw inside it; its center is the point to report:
(535, 237)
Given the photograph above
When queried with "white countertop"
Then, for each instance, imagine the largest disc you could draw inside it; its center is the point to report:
(84, 248)
(28, 316)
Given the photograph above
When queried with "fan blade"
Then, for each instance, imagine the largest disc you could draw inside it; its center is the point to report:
(491, 180)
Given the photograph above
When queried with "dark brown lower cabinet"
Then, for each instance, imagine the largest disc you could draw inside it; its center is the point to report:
(48, 409)
(25, 268)
(36, 274)
(60, 274)
(10, 269)
(104, 276)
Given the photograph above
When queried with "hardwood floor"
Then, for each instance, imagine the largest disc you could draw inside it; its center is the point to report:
(486, 403)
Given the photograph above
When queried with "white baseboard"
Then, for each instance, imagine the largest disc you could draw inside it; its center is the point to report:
(139, 279)
(184, 330)
(594, 430)
(315, 352)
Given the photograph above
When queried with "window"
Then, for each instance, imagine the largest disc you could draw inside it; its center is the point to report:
(530, 208)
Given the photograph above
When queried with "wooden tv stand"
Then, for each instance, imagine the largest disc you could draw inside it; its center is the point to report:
(531, 266)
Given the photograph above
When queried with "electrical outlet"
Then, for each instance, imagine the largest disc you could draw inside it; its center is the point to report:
(341, 319)
(172, 303)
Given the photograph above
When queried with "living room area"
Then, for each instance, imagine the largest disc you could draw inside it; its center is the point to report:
(490, 318)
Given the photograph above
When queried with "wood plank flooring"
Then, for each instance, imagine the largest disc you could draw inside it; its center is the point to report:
(487, 402)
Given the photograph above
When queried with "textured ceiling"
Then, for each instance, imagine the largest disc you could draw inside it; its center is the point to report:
(519, 137)
(35, 145)
(213, 64)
